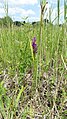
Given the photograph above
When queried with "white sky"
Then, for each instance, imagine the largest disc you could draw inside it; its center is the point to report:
(22, 8)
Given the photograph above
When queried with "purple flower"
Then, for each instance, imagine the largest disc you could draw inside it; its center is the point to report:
(34, 39)
(34, 45)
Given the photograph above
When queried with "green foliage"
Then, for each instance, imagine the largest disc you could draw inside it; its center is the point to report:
(4, 100)
(6, 21)
(16, 58)
(21, 70)
(43, 1)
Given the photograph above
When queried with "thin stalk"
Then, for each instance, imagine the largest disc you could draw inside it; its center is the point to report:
(56, 17)
(40, 37)
(64, 62)
(6, 7)
(50, 15)
(65, 10)
(58, 9)
(41, 34)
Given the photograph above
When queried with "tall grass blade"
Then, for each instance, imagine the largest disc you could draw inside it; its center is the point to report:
(42, 5)
(56, 17)
(6, 7)
(19, 95)
(58, 9)
(65, 10)
(31, 49)
(64, 62)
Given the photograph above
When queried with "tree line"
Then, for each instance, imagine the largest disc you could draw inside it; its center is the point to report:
(7, 21)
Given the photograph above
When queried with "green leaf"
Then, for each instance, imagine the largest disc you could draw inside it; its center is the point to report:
(19, 95)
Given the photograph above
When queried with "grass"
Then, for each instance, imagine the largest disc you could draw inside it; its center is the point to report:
(33, 87)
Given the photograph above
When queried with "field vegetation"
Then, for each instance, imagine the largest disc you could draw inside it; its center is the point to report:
(33, 69)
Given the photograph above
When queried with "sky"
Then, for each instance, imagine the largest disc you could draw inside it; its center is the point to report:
(18, 10)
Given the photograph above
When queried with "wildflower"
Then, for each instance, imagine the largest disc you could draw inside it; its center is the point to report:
(34, 45)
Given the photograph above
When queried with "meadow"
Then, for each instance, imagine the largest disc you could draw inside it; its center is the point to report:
(33, 85)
